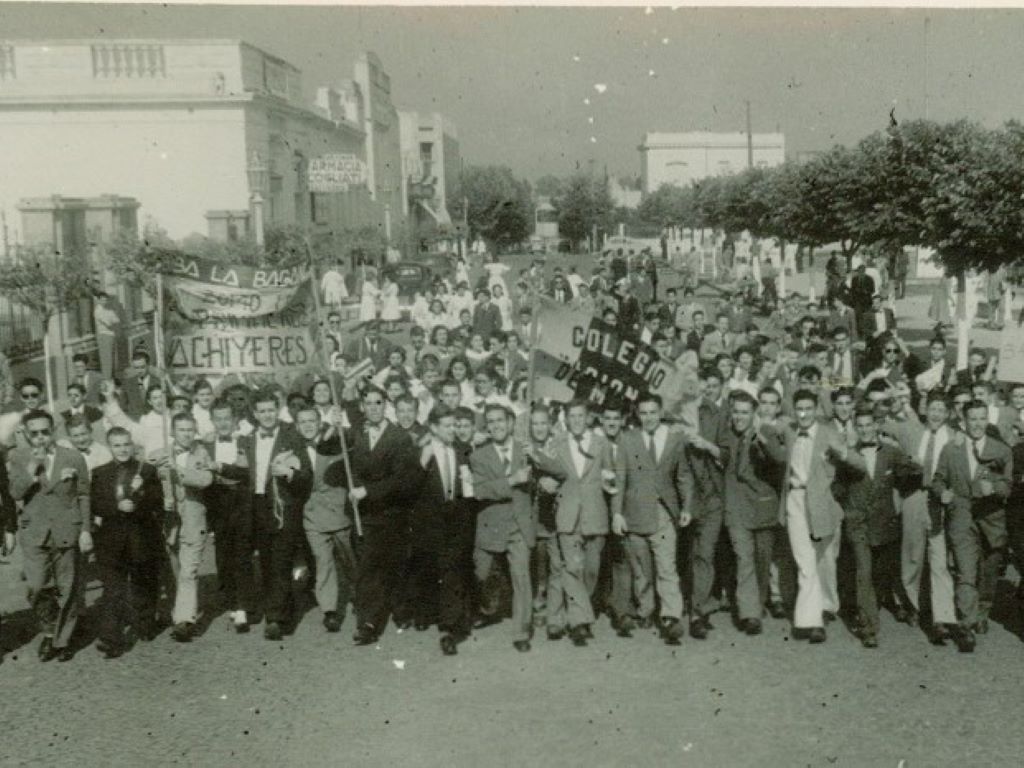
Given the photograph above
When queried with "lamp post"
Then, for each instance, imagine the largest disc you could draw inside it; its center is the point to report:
(256, 170)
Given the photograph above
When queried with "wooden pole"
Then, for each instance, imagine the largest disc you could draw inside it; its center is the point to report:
(158, 353)
(315, 288)
(46, 360)
(531, 374)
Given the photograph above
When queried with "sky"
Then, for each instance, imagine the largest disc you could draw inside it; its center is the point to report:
(543, 90)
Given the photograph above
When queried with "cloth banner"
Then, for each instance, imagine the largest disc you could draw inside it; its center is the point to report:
(204, 288)
(578, 355)
(1011, 355)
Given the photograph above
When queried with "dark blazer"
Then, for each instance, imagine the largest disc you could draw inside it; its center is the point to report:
(868, 327)
(53, 509)
(708, 478)
(486, 320)
(867, 500)
(434, 518)
(325, 509)
(8, 512)
(988, 512)
(390, 472)
(289, 495)
(359, 349)
(753, 479)
(91, 413)
(229, 494)
(133, 391)
(149, 498)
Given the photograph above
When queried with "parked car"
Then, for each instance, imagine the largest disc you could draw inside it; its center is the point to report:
(412, 277)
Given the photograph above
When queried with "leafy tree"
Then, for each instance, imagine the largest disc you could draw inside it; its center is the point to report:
(500, 207)
(585, 203)
(669, 205)
(549, 186)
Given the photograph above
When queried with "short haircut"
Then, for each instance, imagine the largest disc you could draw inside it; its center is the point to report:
(417, 331)
(742, 396)
(492, 407)
(180, 418)
(77, 421)
(408, 399)
(77, 387)
(464, 412)
(864, 408)
(769, 390)
(809, 372)
(37, 413)
(30, 381)
(710, 372)
(937, 396)
(222, 404)
(843, 392)
(118, 432)
(975, 405)
(155, 387)
(649, 397)
(200, 385)
(438, 412)
(140, 354)
(805, 394)
(577, 403)
(373, 390)
(264, 395)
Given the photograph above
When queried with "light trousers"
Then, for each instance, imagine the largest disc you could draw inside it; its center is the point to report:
(519, 568)
(192, 538)
(335, 567)
(575, 563)
(815, 565)
(656, 552)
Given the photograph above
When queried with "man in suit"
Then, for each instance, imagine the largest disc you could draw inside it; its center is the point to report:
(560, 289)
(126, 500)
(582, 457)
(719, 341)
(369, 345)
(871, 524)
(709, 486)
(877, 320)
(923, 532)
(695, 338)
(77, 406)
(505, 526)
(386, 479)
(88, 379)
(844, 365)
(751, 501)
(862, 289)
(655, 496)
(326, 522)
(279, 478)
(1001, 418)
(811, 512)
(136, 382)
(52, 484)
(972, 481)
(8, 516)
(545, 564)
(82, 437)
(185, 472)
(486, 316)
(842, 316)
(443, 521)
(229, 513)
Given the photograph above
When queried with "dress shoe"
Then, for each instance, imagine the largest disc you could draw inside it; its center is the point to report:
(273, 631)
(109, 650)
(776, 610)
(816, 635)
(365, 635)
(588, 632)
(485, 621)
(331, 622)
(421, 625)
(624, 626)
(751, 626)
(46, 650)
(555, 634)
(965, 640)
(939, 634)
(981, 627)
(644, 622)
(523, 646)
(449, 646)
(902, 615)
(673, 631)
(403, 624)
(828, 616)
(579, 636)
(869, 641)
(182, 632)
(698, 629)
(65, 655)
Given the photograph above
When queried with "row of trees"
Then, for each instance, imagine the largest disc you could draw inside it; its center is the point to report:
(955, 187)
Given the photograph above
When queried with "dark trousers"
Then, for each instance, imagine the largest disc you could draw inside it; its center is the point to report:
(233, 547)
(978, 565)
(754, 551)
(278, 544)
(129, 554)
(457, 597)
(615, 584)
(421, 590)
(379, 563)
(877, 575)
(1015, 531)
(704, 535)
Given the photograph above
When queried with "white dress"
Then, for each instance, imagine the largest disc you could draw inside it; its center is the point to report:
(333, 286)
(505, 307)
(496, 275)
(461, 274)
(368, 301)
(390, 310)
(420, 312)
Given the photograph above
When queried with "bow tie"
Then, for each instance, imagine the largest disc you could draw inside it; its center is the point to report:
(228, 439)
(803, 433)
(868, 445)
(264, 435)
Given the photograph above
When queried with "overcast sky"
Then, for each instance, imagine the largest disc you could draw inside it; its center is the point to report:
(515, 81)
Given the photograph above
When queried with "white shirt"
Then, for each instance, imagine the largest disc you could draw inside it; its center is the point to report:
(96, 455)
(973, 447)
(660, 436)
(578, 459)
(993, 414)
(446, 466)
(264, 447)
(225, 453)
(870, 454)
(801, 456)
(880, 324)
(941, 438)
(505, 454)
(204, 424)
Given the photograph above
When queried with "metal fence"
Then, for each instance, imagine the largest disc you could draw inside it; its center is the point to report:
(21, 334)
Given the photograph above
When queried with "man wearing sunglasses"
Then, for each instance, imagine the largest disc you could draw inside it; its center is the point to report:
(52, 484)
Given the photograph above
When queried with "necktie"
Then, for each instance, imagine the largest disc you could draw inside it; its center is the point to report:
(652, 447)
(803, 433)
(442, 465)
(580, 448)
(929, 457)
(265, 435)
(506, 460)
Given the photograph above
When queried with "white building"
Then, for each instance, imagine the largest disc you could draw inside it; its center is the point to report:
(431, 165)
(681, 158)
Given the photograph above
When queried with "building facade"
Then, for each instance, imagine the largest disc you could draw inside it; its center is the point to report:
(682, 158)
(431, 169)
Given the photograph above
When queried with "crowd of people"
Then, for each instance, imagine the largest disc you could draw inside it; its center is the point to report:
(802, 464)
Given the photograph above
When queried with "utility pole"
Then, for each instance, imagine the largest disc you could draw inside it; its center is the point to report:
(927, 25)
(750, 140)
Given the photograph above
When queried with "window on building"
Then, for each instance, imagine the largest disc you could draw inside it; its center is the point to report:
(128, 60)
(274, 198)
(7, 71)
(427, 158)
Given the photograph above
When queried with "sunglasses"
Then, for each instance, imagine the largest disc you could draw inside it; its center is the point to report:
(29, 395)
(39, 432)
(891, 351)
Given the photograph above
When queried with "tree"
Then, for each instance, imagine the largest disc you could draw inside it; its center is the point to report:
(500, 207)
(669, 205)
(585, 203)
(549, 186)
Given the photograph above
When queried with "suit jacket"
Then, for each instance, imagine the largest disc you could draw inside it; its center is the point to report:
(486, 320)
(133, 391)
(359, 349)
(753, 477)
(823, 507)
(989, 512)
(91, 413)
(507, 507)
(103, 492)
(8, 511)
(229, 494)
(708, 478)
(643, 485)
(868, 499)
(192, 479)
(434, 518)
(53, 510)
(862, 288)
(580, 503)
(289, 495)
(855, 365)
(390, 472)
(325, 508)
(847, 320)
(868, 326)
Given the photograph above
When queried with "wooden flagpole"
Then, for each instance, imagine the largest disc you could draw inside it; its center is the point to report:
(158, 353)
(315, 289)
